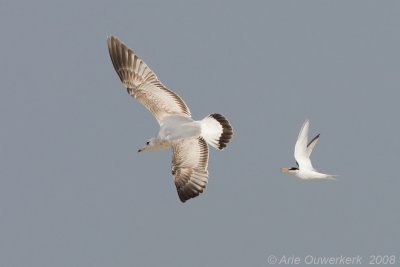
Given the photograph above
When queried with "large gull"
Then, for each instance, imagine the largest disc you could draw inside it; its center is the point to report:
(302, 153)
(186, 137)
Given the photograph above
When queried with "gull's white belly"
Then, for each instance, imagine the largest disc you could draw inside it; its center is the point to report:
(178, 127)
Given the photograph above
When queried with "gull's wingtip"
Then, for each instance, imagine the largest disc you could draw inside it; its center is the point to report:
(111, 36)
(109, 40)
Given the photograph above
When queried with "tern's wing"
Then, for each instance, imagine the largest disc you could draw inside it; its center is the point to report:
(311, 145)
(142, 83)
(189, 166)
(300, 149)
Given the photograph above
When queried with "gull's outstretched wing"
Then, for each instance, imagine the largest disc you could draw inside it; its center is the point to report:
(300, 149)
(311, 145)
(189, 166)
(142, 83)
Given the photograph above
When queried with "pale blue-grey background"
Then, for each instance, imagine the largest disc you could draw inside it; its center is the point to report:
(74, 192)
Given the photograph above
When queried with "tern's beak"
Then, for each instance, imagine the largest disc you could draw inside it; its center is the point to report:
(140, 150)
(285, 170)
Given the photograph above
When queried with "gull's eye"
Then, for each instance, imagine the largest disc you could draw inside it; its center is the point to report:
(148, 143)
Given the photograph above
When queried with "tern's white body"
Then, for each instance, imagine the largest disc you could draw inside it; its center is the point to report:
(311, 174)
(302, 152)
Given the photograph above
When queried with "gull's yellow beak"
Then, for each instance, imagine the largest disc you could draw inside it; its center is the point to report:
(285, 170)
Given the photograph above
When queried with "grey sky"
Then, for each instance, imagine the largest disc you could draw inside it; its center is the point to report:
(74, 192)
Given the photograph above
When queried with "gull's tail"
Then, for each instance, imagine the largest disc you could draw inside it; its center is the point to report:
(216, 130)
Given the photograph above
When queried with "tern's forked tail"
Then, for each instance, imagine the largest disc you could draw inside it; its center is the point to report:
(216, 130)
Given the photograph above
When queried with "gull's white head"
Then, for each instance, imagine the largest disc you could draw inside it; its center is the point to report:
(154, 144)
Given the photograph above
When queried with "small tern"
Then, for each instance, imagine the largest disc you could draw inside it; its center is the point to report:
(302, 152)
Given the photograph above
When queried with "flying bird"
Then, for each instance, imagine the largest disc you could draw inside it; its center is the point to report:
(302, 153)
(186, 137)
